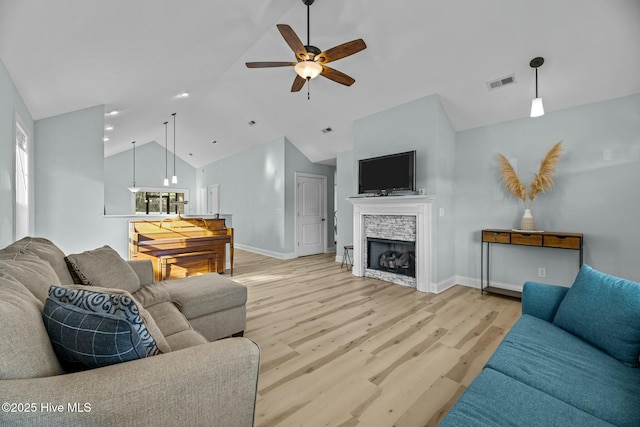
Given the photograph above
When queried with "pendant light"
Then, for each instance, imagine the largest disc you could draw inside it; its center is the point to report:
(174, 178)
(537, 109)
(166, 157)
(133, 188)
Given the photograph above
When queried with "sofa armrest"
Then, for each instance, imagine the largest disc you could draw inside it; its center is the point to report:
(542, 300)
(205, 385)
(144, 270)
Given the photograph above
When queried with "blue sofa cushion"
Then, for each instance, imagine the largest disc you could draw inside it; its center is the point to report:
(562, 365)
(605, 311)
(542, 300)
(494, 399)
(89, 329)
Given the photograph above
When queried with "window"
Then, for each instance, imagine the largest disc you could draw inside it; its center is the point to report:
(155, 202)
(21, 212)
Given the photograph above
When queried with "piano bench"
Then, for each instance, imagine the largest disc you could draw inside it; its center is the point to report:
(165, 261)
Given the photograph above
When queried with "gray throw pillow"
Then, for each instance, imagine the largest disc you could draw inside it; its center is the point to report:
(103, 267)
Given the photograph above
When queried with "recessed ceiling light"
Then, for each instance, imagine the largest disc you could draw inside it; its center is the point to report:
(112, 113)
(105, 139)
(108, 127)
(183, 95)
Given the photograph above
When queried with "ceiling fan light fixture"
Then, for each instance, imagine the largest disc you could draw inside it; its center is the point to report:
(308, 69)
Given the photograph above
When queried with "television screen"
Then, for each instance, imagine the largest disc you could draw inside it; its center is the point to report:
(385, 174)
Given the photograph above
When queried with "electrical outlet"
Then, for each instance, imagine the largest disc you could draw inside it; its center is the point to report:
(542, 272)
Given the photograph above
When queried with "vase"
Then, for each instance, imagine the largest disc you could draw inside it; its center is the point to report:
(527, 222)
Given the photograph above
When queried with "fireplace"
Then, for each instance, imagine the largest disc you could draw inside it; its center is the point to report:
(406, 220)
(392, 256)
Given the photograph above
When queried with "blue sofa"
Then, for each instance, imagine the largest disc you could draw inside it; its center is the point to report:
(570, 360)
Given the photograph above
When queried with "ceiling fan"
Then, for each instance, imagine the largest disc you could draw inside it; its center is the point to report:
(311, 60)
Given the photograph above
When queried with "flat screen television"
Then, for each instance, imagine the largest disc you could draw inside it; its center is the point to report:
(386, 174)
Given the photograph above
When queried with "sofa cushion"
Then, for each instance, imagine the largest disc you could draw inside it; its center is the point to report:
(92, 327)
(25, 349)
(495, 399)
(560, 364)
(155, 293)
(46, 250)
(185, 339)
(200, 295)
(605, 311)
(33, 272)
(103, 267)
(169, 319)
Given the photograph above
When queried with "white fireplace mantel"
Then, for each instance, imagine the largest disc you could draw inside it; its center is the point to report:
(418, 206)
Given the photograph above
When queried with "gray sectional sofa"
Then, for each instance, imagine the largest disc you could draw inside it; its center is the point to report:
(171, 366)
(570, 360)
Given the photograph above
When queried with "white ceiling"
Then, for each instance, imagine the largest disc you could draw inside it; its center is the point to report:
(136, 56)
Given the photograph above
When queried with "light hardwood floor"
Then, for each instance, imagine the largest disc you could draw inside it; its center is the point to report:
(340, 350)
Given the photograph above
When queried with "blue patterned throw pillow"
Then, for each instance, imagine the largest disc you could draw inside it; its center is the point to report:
(89, 329)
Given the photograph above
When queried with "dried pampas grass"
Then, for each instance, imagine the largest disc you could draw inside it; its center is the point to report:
(542, 182)
(510, 179)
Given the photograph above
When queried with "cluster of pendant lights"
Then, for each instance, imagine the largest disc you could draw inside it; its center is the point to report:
(174, 178)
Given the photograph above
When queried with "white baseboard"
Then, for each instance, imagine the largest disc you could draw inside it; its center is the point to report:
(266, 252)
(474, 282)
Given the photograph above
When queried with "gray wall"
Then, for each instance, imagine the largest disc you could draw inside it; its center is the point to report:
(420, 125)
(592, 195)
(347, 187)
(257, 187)
(252, 190)
(150, 172)
(69, 183)
(11, 104)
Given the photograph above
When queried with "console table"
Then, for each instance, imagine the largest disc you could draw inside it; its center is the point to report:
(543, 239)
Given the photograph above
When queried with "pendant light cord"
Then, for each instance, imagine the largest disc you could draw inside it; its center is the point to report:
(536, 82)
(166, 153)
(134, 164)
(174, 144)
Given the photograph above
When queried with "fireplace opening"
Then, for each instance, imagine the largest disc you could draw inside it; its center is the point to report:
(393, 256)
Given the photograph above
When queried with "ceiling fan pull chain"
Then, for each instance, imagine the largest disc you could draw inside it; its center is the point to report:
(308, 90)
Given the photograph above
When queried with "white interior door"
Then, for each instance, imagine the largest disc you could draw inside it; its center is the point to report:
(213, 199)
(311, 201)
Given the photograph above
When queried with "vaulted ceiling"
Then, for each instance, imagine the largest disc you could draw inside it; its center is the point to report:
(137, 56)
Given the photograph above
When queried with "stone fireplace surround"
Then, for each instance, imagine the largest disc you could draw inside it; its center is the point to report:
(411, 209)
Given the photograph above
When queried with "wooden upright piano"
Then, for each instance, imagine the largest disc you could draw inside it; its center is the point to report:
(181, 246)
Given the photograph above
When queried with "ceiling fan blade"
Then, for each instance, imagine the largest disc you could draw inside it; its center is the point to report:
(298, 84)
(341, 51)
(293, 40)
(269, 64)
(337, 76)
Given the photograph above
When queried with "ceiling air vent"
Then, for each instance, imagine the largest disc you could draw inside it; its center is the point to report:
(503, 81)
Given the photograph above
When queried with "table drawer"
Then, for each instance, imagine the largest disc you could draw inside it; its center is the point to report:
(528, 239)
(566, 242)
(496, 237)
